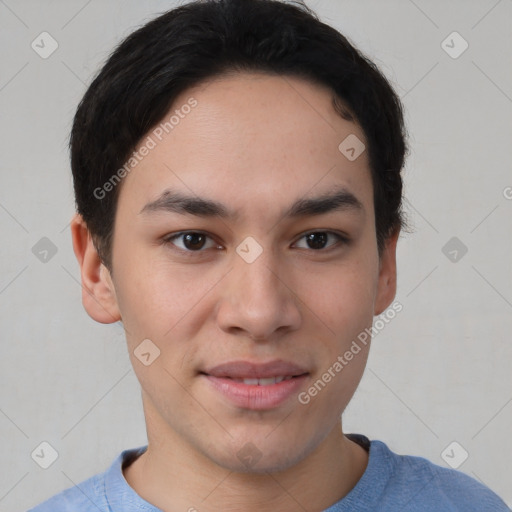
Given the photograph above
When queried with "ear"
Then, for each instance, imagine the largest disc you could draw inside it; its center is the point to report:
(386, 287)
(98, 293)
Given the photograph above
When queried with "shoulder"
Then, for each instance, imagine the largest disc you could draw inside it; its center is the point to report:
(99, 493)
(420, 485)
(85, 496)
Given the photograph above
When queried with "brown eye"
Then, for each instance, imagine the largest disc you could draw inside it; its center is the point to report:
(318, 240)
(191, 241)
(194, 241)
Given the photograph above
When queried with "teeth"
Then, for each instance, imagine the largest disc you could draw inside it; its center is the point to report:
(267, 381)
(264, 382)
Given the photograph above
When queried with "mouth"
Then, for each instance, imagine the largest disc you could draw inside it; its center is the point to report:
(256, 386)
(267, 381)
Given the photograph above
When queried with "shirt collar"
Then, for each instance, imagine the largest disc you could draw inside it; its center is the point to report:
(118, 493)
(122, 498)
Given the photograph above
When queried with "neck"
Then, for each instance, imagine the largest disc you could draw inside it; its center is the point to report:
(174, 476)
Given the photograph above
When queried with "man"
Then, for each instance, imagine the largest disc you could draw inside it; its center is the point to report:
(236, 167)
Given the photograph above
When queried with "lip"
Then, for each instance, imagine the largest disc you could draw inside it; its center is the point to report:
(256, 397)
(249, 370)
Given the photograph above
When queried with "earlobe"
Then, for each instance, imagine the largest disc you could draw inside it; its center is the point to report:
(386, 288)
(98, 293)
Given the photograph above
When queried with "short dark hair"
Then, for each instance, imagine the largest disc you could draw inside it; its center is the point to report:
(205, 39)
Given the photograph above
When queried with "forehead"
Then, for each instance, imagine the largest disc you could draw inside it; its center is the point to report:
(250, 137)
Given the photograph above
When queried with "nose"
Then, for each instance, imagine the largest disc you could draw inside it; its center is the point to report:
(258, 300)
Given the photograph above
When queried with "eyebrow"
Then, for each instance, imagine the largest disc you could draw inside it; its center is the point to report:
(171, 201)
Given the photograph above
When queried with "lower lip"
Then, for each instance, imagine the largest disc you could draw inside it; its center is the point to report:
(257, 397)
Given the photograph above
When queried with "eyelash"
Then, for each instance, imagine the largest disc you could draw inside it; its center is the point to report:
(342, 240)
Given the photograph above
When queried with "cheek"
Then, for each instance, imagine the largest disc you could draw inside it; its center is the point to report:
(331, 390)
(157, 303)
(346, 307)
(157, 299)
(341, 299)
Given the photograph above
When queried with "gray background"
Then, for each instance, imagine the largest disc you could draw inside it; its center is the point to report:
(438, 373)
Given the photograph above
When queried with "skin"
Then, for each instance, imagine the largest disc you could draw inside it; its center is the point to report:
(293, 302)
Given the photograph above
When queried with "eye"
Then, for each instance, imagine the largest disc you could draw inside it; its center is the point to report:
(318, 240)
(191, 241)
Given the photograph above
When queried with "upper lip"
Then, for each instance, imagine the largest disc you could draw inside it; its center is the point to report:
(249, 370)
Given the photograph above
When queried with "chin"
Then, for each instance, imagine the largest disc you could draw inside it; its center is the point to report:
(260, 455)
(265, 464)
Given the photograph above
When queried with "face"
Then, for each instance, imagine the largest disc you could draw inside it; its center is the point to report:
(245, 250)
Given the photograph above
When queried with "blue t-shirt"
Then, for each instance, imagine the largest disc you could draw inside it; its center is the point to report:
(390, 483)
